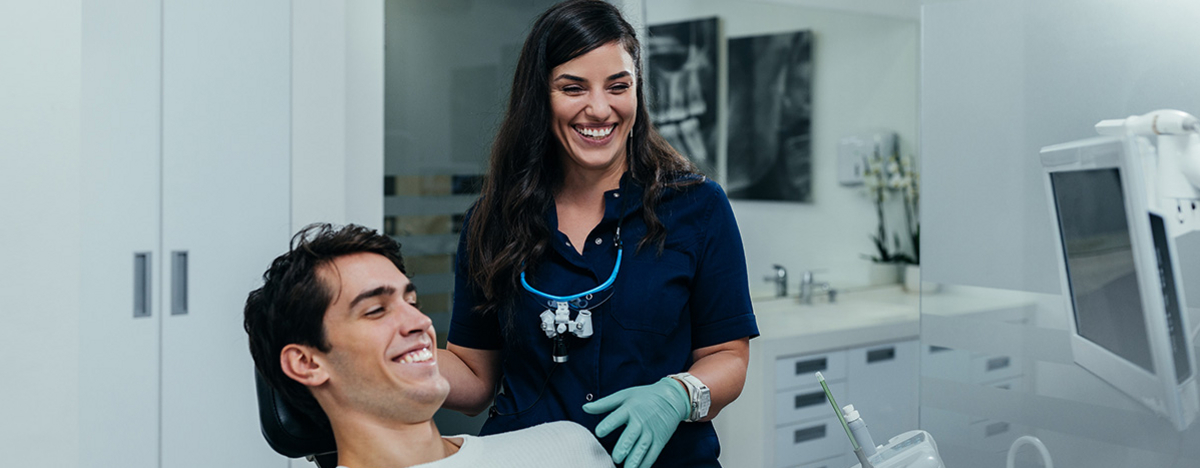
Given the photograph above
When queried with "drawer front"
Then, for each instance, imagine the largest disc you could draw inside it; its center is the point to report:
(835, 462)
(805, 403)
(992, 368)
(800, 371)
(993, 436)
(809, 442)
(945, 363)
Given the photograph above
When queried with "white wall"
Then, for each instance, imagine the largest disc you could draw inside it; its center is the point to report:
(40, 62)
(1047, 77)
(337, 112)
(865, 80)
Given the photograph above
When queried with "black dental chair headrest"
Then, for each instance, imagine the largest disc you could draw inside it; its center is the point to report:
(289, 431)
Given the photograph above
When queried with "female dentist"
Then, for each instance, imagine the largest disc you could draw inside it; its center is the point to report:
(600, 279)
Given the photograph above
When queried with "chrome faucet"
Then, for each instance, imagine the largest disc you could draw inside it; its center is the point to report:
(808, 287)
(780, 278)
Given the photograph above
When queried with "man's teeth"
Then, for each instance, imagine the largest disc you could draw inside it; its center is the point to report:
(420, 355)
(595, 132)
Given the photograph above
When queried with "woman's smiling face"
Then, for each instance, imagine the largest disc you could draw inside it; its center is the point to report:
(594, 103)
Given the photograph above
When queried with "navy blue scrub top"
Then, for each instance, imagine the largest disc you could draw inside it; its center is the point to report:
(661, 308)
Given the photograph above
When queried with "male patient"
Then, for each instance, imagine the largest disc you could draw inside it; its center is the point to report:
(336, 330)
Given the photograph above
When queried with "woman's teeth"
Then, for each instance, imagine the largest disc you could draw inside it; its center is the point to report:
(420, 355)
(595, 133)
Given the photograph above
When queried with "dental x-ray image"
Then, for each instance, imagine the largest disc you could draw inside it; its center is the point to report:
(770, 115)
(682, 91)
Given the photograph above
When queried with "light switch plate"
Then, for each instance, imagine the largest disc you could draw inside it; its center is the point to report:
(854, 152)
(852, 159)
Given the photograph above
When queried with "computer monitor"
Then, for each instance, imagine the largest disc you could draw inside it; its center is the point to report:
(1120, 276)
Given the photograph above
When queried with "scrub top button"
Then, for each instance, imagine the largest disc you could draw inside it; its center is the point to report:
(599, 241)
(568, 243)
(616, 195)
(588, 397)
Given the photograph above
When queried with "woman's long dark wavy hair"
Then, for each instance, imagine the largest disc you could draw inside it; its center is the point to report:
(508, 228)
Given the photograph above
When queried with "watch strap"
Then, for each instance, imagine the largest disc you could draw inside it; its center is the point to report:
(698, 395)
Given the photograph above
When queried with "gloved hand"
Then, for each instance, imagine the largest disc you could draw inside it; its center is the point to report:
(650, 414)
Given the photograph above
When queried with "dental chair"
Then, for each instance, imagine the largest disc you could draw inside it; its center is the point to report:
(289, 431)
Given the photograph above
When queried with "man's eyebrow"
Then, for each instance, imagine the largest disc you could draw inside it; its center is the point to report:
(380, 291)
(411, 288)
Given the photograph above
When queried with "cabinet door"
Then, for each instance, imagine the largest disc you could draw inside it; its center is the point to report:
(120, 135)
(226, 124)
(882, 385)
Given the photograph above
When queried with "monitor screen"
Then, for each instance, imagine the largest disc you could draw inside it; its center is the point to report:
(1100, 264)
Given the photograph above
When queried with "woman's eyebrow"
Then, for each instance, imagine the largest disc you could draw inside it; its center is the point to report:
(565, 76)
(619, 75)
(614, 76)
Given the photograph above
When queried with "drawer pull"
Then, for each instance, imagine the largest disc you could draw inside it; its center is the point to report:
(141, 284)
(885, 354)
(995, 428)
(998, 363)
(805, 435)
(937, 349)
(811, 366)
(809, 399)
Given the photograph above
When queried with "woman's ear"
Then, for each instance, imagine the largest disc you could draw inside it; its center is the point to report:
(301, 364)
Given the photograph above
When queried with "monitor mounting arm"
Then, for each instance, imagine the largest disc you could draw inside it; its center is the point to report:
(1172, 162)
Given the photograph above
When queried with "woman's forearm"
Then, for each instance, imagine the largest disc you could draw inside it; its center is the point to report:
(722, 368)
(472, 374)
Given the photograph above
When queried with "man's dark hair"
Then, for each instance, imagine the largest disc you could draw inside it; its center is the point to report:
(290, 306)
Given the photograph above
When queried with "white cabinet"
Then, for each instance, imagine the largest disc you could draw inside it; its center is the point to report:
(784, 420)
(226, 143)
(120, 219)
(884, 383)
(186, 185)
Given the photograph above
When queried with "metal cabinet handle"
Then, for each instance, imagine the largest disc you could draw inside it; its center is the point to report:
(807, 434)
(810, 366)
(179, 282)
(885, 354)
(808, 399)
(141, 284)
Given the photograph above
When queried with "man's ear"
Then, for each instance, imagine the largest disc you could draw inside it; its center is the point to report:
(301, 363)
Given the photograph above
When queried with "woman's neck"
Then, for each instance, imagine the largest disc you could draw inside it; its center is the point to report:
(586, 187)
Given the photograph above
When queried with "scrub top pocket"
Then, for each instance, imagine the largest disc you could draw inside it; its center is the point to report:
(653, 291)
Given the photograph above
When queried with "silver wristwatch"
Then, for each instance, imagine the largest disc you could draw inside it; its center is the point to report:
(697, 394)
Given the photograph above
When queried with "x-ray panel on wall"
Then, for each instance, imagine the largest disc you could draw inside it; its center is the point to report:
(770, 115)
(682, 90)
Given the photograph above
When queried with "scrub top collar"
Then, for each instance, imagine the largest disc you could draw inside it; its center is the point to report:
(628, 189)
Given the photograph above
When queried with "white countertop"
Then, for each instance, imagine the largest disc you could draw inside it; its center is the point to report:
(858, 318)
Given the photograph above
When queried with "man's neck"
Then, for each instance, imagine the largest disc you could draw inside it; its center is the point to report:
(367, 443)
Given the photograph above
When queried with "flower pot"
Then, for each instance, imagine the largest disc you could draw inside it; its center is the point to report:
(913, 283)
(912, 278)
(879, 274)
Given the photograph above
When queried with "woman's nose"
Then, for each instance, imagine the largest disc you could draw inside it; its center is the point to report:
(598, 106)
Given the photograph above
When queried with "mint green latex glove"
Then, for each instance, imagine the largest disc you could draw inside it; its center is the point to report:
(650, 414)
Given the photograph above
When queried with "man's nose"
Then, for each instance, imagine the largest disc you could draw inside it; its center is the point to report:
(413, 320)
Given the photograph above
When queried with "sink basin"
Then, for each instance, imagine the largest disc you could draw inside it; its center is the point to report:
(788, 317)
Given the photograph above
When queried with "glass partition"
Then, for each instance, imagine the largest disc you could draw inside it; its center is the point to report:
(1001, 79)
(448, 67)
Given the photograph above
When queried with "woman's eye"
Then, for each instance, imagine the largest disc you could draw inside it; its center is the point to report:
(620, 87)
(573, 89)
